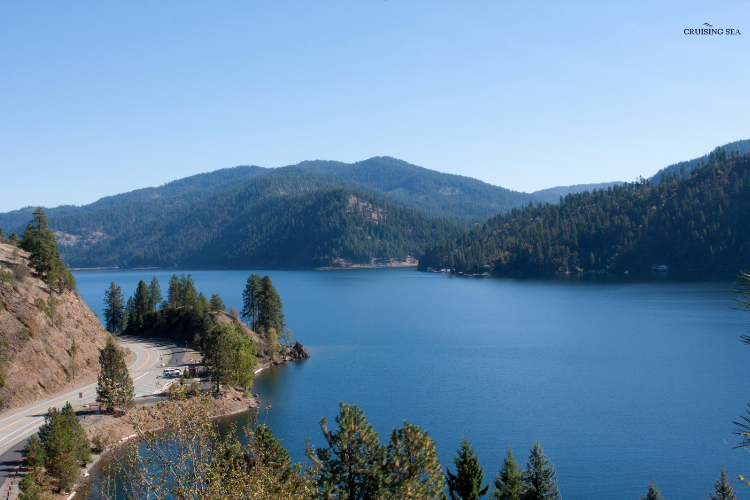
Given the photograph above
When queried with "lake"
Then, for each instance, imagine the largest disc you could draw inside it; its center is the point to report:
(620, 378)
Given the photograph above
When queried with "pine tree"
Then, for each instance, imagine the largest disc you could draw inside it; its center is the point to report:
(653, 492)
(78, 435)
(39, 241)
(724, 488)
(466, 483)
(13, 239)
(142, 303)
(154, 293)
(65, 445)
(173, 292)
(351, 465)
(115, 387)
(33, 454)
(113, 308)
(540, 479)
(267, 451)
(251, 301)
(509, 482)
(216, 303)
(412, 468)
(188, 294)
(271, 314)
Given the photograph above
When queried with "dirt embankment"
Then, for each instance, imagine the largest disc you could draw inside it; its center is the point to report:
(114, 427)
(38, 327)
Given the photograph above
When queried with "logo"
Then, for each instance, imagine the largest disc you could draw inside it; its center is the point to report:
(711, 31)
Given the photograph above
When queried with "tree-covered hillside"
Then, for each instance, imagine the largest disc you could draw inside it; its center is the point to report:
(463, 199)
(698, 223)
(739, 147)
(151, 201)
(290, 219)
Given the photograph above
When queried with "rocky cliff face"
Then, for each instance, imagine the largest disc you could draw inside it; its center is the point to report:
(49, 341)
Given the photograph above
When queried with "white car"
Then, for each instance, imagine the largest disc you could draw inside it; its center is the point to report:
(172, 372)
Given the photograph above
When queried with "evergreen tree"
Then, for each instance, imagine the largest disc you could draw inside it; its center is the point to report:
(724, 489)
(13, 239)
(130, 316)
(509, 482)
(78, 435)
(113, 308)
(350, 467)
(216, 303)
(115, 387)
(251, 300)
(265, 450)
(39, 241)
(141, 302)
(65, 445)
(653, 492)
(271, 314)
(33, 454)
(154, 293)
(173, 292)
(412, 467)
(540, 479)
(188, 294)
(466, 483)
(35, 486)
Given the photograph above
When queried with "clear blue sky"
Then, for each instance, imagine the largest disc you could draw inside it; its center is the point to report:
(98, 98)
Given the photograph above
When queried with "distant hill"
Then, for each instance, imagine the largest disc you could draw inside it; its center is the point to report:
(698, 223)
(553, 195)
(165, 196)
(739, 147)
(462, 199)
(289, 218)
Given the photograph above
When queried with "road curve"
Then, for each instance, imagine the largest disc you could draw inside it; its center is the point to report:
(150, 355)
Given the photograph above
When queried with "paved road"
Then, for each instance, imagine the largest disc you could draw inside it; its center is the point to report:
(146, 371)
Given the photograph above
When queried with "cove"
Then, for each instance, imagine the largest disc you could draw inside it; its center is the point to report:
(621, 378)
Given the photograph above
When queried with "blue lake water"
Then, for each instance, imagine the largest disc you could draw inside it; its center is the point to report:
(621, 378)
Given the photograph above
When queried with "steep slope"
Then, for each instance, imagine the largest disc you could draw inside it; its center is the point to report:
(463, 199)
(291, 218)
(699, 223)
(38, 327)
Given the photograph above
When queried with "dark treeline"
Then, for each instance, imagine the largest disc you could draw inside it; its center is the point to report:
(184, 309)
(253, 229)
(701, 222)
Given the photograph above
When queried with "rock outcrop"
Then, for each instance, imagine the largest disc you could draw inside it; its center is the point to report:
(298, 351)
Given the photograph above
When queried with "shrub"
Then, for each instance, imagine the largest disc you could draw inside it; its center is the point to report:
(21, 272)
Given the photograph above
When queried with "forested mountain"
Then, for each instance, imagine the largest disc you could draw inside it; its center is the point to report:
(463, 199)
(553, 195)
(291, 218)
(157, 199)
(698, 223)
(739, 147)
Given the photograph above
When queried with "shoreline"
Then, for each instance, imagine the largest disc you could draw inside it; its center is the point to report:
(395, 265)
(79, 490)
